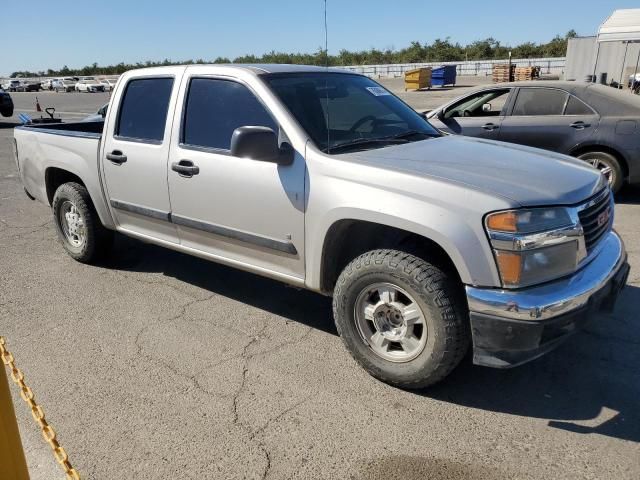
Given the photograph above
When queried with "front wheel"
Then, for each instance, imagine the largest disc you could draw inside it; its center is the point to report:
(402, 318)
(608, 166)
(79, 228)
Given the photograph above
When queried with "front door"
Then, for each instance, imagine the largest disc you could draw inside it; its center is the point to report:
(477, 115)
(241, 210)
(135, 153)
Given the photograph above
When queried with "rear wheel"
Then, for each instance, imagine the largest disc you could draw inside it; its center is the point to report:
(608, 166)
(79, 228)
(402, 318)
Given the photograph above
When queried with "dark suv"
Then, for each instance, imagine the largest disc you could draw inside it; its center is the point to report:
(6, 104)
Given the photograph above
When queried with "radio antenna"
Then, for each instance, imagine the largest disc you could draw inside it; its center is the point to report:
(326, 84)
(326, 36)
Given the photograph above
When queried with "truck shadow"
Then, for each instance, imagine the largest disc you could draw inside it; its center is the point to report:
(303, 306)
(589, 385)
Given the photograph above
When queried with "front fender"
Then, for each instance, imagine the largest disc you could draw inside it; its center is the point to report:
(456, 228)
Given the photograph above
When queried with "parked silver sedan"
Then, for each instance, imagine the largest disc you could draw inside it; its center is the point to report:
(592, 122)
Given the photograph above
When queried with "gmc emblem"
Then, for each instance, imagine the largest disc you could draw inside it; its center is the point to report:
(603, 217)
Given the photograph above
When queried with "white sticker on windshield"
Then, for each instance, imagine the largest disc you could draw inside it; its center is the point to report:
(378, 91)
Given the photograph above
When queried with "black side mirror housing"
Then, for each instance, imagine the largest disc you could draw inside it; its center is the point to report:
(260, 143)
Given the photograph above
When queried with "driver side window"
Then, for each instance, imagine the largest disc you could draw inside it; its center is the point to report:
(482, 104)
(215, 108)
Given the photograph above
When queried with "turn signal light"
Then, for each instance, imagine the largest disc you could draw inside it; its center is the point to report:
(510, 267)
(503, 222)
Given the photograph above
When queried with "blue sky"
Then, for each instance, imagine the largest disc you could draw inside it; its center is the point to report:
(38, 34)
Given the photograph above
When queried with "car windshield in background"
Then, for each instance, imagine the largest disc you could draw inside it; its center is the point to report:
(343, 112)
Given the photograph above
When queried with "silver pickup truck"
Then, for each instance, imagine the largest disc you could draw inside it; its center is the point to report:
(323, 179)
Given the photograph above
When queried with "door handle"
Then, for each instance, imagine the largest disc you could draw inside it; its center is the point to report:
(579, 125)
(117, 157)
(490, 126)
(185, 168)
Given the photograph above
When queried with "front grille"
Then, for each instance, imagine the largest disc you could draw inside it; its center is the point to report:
(596, 218)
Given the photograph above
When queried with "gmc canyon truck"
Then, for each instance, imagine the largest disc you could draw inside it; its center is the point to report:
(323, 179)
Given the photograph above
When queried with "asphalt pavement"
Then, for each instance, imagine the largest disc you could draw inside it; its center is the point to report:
(157, 365)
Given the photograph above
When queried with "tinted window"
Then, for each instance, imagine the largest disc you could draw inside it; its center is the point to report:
(577, 107)
(143, 110)
(338, 108)
(539, 101)
(215, 108)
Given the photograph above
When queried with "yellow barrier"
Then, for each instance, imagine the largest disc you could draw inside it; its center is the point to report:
(10, 446)
(13, 465)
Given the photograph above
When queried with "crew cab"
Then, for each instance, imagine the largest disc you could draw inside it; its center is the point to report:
(323, 179)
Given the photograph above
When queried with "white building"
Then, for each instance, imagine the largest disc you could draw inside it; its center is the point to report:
(612, 55)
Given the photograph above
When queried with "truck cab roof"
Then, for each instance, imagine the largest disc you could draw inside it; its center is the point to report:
(259, 68)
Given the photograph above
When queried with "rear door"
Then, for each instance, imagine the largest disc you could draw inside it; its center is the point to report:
(477, 115)
(548, 118)
(135, 154)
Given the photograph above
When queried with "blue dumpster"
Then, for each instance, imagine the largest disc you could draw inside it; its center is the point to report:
(445, 75)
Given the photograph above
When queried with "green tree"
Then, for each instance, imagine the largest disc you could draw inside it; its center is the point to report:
(440, 50)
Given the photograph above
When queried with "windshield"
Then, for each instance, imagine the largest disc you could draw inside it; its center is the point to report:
(339, 110)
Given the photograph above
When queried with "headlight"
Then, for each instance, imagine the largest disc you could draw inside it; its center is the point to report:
(535, 245)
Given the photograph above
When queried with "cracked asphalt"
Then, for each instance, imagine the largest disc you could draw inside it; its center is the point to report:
(157, 365)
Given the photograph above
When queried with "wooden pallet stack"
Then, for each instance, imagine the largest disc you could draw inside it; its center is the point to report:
(502, 73)
(523, 74)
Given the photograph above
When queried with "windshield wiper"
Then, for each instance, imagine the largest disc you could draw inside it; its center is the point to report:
(361, 142)
(402, 137)
(411, 133)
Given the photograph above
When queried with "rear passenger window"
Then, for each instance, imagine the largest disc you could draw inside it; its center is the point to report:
(577, 107)
(143, 110)
(215, 108)
(539, 101)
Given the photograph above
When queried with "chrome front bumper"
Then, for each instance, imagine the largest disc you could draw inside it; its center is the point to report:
(510, 327)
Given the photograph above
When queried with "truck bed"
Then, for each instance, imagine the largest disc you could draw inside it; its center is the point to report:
(71, 129)
(72, 147)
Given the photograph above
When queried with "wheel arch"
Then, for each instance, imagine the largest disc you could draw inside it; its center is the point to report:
(600, 147)
(348, 238)
(55, 176)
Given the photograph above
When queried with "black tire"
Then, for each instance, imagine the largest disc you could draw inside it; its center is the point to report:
(606, 160)
(97, 240)
(437, 294)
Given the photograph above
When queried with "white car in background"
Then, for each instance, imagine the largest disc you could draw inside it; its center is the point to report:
(14, 86)
(89, 84)
(109, 83)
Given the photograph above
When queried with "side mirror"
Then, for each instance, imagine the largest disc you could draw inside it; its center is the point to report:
(486, 108)
(260, 143)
